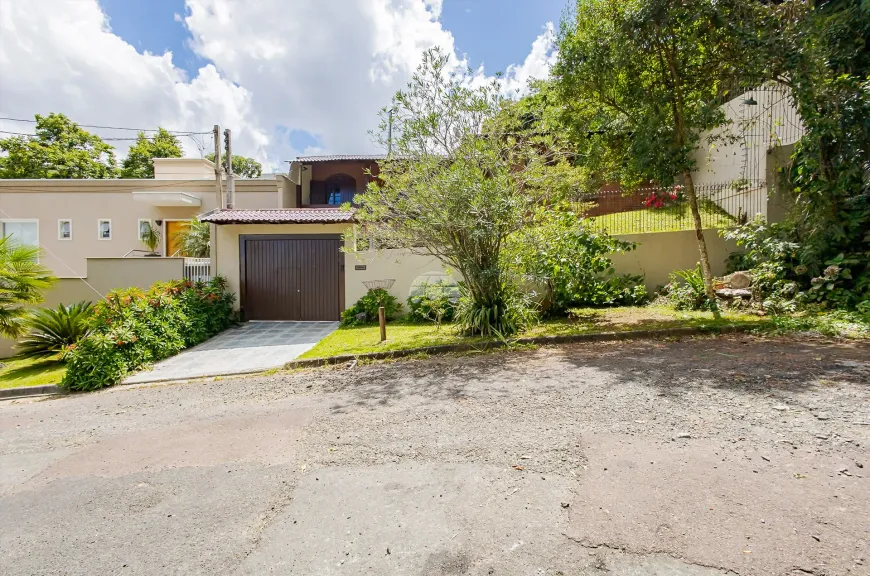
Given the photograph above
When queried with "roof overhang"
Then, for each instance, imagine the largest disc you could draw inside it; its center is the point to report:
(279, 216)
(167, 198)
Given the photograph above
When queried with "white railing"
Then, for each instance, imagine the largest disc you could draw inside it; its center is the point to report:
(197, 269)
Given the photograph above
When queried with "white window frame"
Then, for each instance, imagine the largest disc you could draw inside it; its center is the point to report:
(99, 234)
(139, 226)
(19, 220)
(59, 235)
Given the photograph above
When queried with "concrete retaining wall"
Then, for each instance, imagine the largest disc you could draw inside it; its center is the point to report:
(105, 275)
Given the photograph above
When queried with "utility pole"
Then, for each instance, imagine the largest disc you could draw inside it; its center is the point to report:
(218, 175)
(231, 185)
(390, 135)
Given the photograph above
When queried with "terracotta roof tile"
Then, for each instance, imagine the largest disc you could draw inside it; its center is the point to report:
(279, 216)
(339, 157)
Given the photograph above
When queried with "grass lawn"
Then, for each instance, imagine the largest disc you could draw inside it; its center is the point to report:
(668, 219)
(17, 372)
(402, 335)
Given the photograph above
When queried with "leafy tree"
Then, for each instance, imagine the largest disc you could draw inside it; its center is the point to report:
(58, 149)
(139, 162)
(458, 186)
(821, 51)
(242, 166)
(22, 282)
(195, 239)
(644, 78)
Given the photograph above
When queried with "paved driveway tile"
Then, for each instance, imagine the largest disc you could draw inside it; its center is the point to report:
(251, 347)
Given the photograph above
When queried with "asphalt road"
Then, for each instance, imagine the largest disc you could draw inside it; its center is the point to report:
(701, 457)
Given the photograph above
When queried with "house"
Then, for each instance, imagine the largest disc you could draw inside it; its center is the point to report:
(280, 245)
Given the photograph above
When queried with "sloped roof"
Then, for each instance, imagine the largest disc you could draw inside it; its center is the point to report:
(342, 157)
(279, 216)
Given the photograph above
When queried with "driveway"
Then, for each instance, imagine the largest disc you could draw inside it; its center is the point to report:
(250, 347)
(695, 458)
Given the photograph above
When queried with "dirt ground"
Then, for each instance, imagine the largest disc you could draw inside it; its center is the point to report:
(698, 457)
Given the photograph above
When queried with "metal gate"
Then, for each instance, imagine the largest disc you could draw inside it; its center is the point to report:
(289, 277)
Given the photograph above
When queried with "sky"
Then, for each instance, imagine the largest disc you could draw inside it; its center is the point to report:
(289, 77)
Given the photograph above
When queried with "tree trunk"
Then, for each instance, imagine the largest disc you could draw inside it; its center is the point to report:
(702, 243)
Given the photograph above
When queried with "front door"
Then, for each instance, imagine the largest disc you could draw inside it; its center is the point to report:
(173, 237)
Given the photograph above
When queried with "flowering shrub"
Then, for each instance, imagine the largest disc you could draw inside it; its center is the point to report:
(662, 198)
(131, 328)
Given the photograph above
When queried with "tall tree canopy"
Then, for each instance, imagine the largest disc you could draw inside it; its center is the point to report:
(58, 149)
(139, 162)
(644, 78)
(461, 181)
(243, 166)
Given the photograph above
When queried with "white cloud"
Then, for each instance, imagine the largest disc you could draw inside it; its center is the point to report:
(537, 64)
(323, 66)
(61, 56)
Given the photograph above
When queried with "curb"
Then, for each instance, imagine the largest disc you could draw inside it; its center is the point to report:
(541, 340)
(13, 393)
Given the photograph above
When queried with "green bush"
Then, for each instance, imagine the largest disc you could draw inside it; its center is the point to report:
(501, 316)
(51, 330)
(571, 262)
(131, 328)
(686, 290)
(366, 308)
(436, 302)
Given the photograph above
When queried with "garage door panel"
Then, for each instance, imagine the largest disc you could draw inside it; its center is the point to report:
(291, 278)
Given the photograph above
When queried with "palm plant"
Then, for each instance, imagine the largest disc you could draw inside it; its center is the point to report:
(151, 237)
(194, 239)
(52, 329)
(22, 282)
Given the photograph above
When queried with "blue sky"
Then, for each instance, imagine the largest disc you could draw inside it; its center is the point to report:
(289, 77)
(496, 33)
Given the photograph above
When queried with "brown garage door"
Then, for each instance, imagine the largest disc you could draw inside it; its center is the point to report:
(291, 277)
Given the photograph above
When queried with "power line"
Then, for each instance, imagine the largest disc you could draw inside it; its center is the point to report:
(180, 132)
(113, 139)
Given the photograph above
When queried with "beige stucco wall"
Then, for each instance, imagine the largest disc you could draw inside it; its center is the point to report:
(658, 254)
(87, 201)
(740, 150)
(399, 265)
(105, 275)
(183, 169)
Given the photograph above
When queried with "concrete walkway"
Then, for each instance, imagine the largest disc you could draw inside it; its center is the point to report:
(251, 347)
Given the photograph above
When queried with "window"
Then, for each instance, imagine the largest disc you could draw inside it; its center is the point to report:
(334, 196)
(24, 232)
(64, 229)
(144, 227)
(104, 229)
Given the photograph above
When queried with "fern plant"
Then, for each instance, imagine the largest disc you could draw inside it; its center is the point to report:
(52, 329)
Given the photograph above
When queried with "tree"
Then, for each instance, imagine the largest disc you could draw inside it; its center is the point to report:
(195, 239)
(22, 282)
(139, 162)
(457, 187)
(821, 52)
(58, 149)
(243, 166)
(645, 77)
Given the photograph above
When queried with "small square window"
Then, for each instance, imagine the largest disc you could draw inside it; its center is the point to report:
(104, 229)
(64, 229)
(144, 227)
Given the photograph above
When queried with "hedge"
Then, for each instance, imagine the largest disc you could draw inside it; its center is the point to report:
(132, 328)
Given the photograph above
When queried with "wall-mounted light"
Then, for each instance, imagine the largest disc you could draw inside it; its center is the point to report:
(751, 101)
